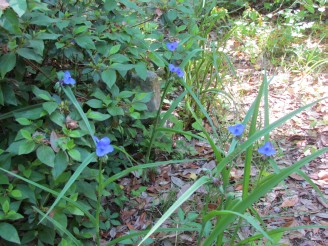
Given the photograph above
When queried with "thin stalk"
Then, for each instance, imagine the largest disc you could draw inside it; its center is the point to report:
(99, 192)
(154, 130)
(234, 235)
(249, 151)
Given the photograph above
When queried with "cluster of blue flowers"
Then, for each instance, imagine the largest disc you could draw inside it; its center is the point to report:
(172, 47)
(267, 149)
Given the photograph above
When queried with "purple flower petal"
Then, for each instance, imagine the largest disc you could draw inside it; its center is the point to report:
(179, 72)
(236, 130)
(68, 80)
(172, 68)
(172, 46)
(267, 149)
(103, 146)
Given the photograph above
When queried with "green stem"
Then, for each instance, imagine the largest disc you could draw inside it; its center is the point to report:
(154, 130)
(99, 192)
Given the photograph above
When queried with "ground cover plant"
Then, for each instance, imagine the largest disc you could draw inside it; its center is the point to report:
(132, 122)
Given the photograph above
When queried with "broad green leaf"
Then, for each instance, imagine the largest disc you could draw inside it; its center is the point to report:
(115, 111)
(121, 67)
(77, 205)
(139, 106)
(141, 70)
(8, 62)
(16, 193)
(80, 29)
(10, 21)
(72, 179)
(114, 49)
(50, 107)
(85, 42)
(97, 116)
(143, 97)
(75, 154)
(26, 147)
(26, 134)
(61, 162)
(9, 233)
(29, 54)
(46, 155)
(157, 59)
(95, 103)
(58, 118)
(109, 77)
(47, 36)
(24, 121)
(5, 206)
(125, 94)
(41, 93)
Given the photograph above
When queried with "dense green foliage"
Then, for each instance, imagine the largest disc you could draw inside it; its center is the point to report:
(47, 150)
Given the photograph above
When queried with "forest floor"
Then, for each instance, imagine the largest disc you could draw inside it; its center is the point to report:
(293, 203)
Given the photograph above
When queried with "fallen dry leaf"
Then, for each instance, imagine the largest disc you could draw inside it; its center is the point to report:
(289, 202)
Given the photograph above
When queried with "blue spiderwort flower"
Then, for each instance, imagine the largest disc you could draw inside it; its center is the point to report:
(172, 68)
(172, 46)
(179, 72)
(103, 146)
(236, 130)
(267, 149)
(68, 80)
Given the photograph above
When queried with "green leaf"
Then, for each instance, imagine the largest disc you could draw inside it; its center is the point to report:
(157, 59)
(47, 36)
(57, 118)
(41, 93)
(109, 77)
(5, 206)
(75, 154)
(16, 193)
(121, 67)
(114, 49)
(61, 162)
(50, 107)
(97, 116)
(29, 54)
(9, 233)
(24, 121)
(26, 147)
(26, 134)
(125, 94)
(72, 179)
(10, 22)
(95, 103)
(8, 62)
(139, 106)
(46, 155)
(141, 70)
(114, 111)
(142, 97)
(77, 206)
(85, 42)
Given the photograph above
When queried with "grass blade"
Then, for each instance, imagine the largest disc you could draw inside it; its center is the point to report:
(143, 166)
(59, 227)
(72, 179)
(203, 180)
(264, 187)
(72, 98)
(52, 192)
(250, 219)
